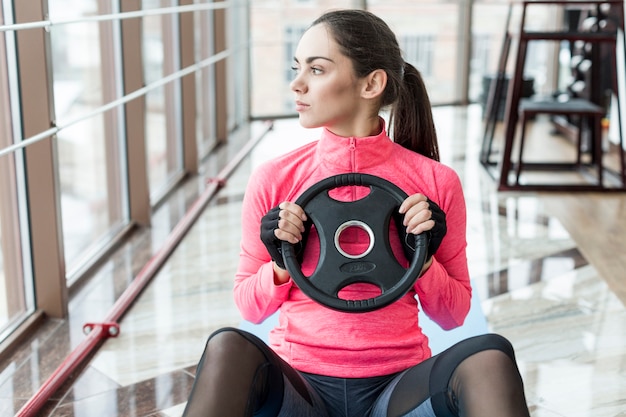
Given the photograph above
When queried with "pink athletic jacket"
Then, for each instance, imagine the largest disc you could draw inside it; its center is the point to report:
(313, 338)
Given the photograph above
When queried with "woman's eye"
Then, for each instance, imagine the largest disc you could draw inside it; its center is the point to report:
(313, 70)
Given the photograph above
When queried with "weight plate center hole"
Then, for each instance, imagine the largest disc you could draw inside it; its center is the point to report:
(354, 239)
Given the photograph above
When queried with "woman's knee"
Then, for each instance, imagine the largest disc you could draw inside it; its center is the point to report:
(230, 342)
(494, 359)
(491, 351)
(224, 339)
(475, 344)
(448, 362)
(489, 362)
(501, 343)
(227, 347)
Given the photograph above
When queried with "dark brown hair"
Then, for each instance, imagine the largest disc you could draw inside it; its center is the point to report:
(370, 44)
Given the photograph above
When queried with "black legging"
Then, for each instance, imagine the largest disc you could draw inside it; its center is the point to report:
(240, 376)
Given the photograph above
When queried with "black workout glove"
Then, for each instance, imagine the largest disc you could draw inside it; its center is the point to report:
(435, 235)
(269, 223)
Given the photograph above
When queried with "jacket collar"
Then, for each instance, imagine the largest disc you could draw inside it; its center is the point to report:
(353, 154)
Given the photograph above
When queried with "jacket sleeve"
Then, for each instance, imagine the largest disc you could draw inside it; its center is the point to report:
(444, 290)
(256, 295)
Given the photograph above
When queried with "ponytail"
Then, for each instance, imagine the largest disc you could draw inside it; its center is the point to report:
(411, 116)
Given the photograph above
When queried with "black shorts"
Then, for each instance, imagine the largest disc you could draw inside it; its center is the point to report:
(423, 388)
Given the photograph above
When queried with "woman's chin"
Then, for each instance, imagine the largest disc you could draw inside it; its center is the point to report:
(308, 124)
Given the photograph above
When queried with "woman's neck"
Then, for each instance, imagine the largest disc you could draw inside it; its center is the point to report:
(361, 129)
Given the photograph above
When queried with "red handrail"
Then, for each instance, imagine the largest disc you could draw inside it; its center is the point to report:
(97, 332)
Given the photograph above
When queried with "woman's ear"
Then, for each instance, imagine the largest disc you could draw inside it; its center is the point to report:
(375, 83)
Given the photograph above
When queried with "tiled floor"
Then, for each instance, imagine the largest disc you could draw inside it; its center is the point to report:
(567, 325)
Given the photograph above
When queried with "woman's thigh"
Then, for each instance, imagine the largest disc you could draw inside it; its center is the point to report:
(294, 403)
(409, 391)
(288, 392)
(423, 390)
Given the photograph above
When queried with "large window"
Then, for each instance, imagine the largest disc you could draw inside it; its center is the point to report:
(419, 51)
(16, 295)
(85, 77)
(105, 106)
(430, 30)
(206, 133)
(162, 58)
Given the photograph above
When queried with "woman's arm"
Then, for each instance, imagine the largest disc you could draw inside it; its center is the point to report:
(444, 288)
(259, 290)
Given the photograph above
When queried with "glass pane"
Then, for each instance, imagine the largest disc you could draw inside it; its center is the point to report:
(540, 64)
(488, 33)
(427, 31)
(164, 154)
(90, 194)
(92, 204)
(239, 62)
(488, 30)
(16, 291)
(206, 135)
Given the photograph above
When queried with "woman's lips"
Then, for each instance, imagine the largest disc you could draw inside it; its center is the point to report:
(300, 106)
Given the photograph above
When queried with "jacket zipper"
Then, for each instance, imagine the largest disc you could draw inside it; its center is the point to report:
(353, 163)
(352, 154)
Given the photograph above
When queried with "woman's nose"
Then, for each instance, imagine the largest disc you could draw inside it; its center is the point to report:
(297, 84)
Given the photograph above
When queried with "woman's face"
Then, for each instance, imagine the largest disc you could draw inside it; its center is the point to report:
(327, 93)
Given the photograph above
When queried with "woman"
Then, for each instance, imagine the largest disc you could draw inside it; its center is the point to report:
(322, 362)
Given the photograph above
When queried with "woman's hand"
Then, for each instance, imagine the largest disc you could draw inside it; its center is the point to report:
(423, 215)
(291, 220)
(417, 214)
(286, 222)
